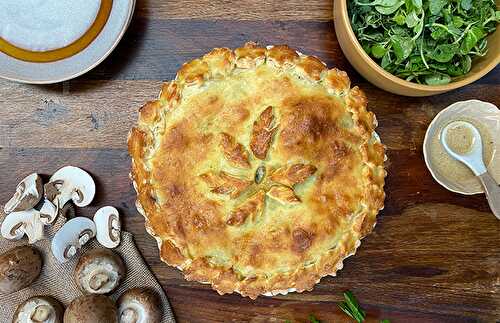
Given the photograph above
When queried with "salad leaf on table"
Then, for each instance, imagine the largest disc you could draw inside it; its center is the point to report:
(424, 41)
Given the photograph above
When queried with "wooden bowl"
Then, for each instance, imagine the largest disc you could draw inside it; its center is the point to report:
(367, 67)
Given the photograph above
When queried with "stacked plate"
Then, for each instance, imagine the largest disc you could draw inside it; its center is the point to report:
(96, 51)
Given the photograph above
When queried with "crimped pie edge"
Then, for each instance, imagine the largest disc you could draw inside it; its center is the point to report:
(221, 62)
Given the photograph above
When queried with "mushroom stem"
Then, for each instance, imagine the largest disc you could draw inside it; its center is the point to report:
(41, 313)
(98, 280)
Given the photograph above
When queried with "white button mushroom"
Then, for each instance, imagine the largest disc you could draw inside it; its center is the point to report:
(139, 305)
(71, 237)
(99, 271)
(72, 183)
(39, 309)
(17, 224)
(28, 193)
(107, 221)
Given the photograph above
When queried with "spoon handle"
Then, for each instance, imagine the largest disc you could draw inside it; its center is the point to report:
(492, 192)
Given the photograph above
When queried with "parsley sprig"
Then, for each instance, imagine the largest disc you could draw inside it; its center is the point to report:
(424, 41)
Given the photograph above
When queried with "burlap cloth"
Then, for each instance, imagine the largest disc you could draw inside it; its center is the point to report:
(56, 279)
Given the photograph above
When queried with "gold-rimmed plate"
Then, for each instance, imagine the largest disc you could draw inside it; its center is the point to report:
(46, 71)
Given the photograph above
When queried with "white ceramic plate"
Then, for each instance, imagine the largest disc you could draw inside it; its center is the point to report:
(484, 113)
(78, 64)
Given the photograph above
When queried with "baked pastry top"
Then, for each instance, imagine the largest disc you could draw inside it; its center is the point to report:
(257, 170)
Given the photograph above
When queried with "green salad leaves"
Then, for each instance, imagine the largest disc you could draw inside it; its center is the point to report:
(424, 41)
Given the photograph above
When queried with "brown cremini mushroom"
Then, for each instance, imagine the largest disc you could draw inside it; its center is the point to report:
(91, 309)
(139, 305)
(39, 309)
(99, 271)
(19, 268)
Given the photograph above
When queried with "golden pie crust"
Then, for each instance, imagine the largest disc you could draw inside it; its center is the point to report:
(257, 170)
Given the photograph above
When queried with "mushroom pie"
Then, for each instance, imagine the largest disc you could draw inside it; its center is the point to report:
(258, 170)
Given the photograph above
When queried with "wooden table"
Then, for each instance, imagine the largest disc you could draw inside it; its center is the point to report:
(433, 257)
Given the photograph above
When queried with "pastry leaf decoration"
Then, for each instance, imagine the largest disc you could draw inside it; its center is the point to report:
(262, 133)
(277, 184)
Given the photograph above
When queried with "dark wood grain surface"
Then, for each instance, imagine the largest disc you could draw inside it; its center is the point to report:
(434, 256)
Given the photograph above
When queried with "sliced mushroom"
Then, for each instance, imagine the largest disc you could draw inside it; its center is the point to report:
(17, 224)
(28, 193)
(139, 305)
(71, 237)
(48, 212)
(39, 309)
(91, 309)
(19, 268)
(99, 271)
(72, 183)
(107, 221)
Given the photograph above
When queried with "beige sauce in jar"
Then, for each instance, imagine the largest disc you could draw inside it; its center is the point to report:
(460, 140)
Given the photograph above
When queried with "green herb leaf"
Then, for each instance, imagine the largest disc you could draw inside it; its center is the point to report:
(378, 50)
(402, 46)
(435, 6)
(389, 10)
(471, 39)
(313, 319)
(385, 321)
(417, 3)
(422, 40)
(412, 19)
(444, 53)
(352, 308)
(437, 79)
(466, 4)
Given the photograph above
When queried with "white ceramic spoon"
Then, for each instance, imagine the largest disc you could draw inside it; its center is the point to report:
(474, 160)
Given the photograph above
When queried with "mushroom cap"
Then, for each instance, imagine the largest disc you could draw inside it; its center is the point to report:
(99, 271)
(71, 237)
(139, 305)
(107, 221)
(28, 193)
(75, 184)
(28, 310)
(92, 308)
(19, 267)
(17, 224)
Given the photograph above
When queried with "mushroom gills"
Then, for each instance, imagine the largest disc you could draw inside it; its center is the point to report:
(99, 271)
(41, 313)
(39, 309)
(133, 313)
(139, 305)
(102, 277)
